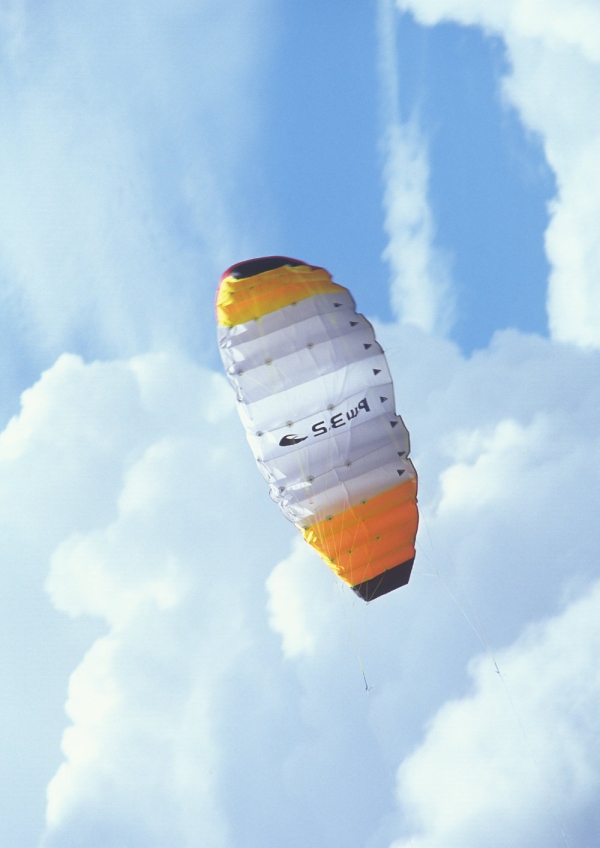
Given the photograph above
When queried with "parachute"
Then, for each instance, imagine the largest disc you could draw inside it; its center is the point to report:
(316, 398)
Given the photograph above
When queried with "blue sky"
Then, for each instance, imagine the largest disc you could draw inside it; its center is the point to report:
(178, 668)
(490, 183)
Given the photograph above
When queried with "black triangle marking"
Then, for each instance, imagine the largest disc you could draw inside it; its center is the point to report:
(400, 473)
(382, 399)
(393, 423)
(401, 453)
(367, 346)
(376, 370)
(338, 304)
(353, 323)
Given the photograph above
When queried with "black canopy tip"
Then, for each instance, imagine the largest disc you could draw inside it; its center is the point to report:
(391, 579)
(252, 267)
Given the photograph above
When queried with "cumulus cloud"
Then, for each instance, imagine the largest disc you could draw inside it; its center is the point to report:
(145, 483)
(299, 602)
(222, 696)
(509, 471)
(506, 484)
(507, 447)
(553, 82)
(511, 541)
(168, 545)
(517, 759)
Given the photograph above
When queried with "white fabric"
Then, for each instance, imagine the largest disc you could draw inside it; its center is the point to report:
(324, 394)
(316, 398)
(343, 495)
(238, 349)
(281, 465)
(277, 374)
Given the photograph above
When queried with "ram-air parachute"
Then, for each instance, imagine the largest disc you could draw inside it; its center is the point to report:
(316, 398)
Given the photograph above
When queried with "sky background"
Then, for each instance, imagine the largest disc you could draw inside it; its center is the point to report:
(177, 668)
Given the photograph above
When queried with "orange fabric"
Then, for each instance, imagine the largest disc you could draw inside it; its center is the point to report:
(369, 538)
(370, 560)
(239, 301)
(395, 496)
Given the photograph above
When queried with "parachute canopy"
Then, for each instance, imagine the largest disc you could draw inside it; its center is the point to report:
(316, 398)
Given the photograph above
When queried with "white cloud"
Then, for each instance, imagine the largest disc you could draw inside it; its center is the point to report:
(118, 157)
(190, 720)
(517, 761)
(508, 451)
(553, 82)
(133, 475)
(299, 604)
(492, 466)
(420, 285)
(146, 475)
(420, 276)
(559, 23)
